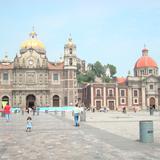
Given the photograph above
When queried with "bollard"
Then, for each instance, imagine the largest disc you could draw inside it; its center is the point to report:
(37, 109)
(146, 131)
(83, 116)
(62, 113)
(151, 111)
(55, 112)
(2, 114)
(46, 111)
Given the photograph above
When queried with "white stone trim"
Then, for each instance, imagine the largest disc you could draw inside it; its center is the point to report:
(110, 89)
(135, 99)
(124, 92)
(113, 100)
(137, 92)
(122, 102)
(98, 89)
(98, 100)
(56, 81)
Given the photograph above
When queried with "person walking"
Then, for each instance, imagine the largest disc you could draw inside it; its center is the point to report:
(7, 112)
(76, 113)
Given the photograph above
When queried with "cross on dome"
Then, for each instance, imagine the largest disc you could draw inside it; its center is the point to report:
(33, 34)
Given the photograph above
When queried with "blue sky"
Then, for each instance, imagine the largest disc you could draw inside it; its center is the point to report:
(111, 32)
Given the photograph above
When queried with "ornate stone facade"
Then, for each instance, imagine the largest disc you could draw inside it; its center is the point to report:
(133, 92)
(31, 79)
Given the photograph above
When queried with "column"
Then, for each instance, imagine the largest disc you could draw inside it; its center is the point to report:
(104, 96)
(117, 96)
(92, 97)
(143, 98)
(129, 98)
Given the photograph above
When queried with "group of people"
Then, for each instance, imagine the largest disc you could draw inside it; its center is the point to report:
(7, 112)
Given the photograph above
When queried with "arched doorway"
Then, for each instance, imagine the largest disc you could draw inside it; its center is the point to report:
(111, 105)
(56, 101)
(5, 100)
(98, 105)
(30, 100)
(152, 101)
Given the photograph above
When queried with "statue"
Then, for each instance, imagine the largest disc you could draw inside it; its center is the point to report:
(108, 73)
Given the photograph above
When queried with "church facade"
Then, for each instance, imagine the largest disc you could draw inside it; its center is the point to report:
(32, 80)
(136, 92)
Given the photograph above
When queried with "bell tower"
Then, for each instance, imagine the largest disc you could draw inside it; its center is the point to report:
(70, 58)
(70, 69)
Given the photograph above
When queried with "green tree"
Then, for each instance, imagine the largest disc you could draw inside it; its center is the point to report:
(86, 77)
(106, 79)
(98, 69)
(78, 68)
(90, 76)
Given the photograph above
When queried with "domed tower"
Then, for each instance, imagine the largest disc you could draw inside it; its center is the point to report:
(33, 43)
(145, 65)
(32, 53)
(70, 58)
(70, 69)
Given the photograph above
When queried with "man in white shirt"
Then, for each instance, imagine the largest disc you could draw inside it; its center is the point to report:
(77, 112)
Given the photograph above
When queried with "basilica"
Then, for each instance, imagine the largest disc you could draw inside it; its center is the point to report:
(32, 80)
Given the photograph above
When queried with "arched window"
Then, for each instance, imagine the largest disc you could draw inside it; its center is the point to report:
(70, 51)
(5, 76)
(98, 92)
(70, 62)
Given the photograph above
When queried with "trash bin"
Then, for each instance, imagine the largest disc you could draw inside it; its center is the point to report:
(146, 131)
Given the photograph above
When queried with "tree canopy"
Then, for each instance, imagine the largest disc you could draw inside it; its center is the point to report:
(97, 70)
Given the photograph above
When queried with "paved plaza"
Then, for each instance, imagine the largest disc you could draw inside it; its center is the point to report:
(104, 136)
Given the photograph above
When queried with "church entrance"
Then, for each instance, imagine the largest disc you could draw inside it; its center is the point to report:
(98, 105)
(152, 102)
(30, 101)
(55, 101)
(111, 105)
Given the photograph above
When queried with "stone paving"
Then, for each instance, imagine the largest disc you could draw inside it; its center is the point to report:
(125, 125)
(55, 138)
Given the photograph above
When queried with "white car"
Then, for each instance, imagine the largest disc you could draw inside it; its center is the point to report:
(104, 109)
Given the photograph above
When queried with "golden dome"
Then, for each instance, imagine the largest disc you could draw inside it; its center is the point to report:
(33, 43)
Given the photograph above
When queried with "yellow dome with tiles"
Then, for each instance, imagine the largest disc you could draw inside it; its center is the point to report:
(33, 43)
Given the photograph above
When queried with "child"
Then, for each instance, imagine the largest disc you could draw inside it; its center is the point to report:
(29, 124)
